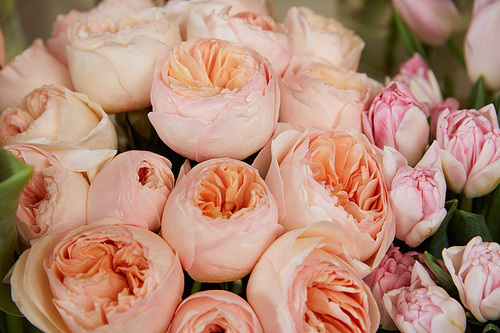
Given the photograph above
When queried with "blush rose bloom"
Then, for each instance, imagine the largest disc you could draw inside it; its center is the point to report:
(323, 39)
(470, 141)
(417, 194)
(102, 277)
(432, 21)
(219, 218)
(481, 46)
(57, 115)
(302, 284)
(215, 311)
(475, 269)
(31, 69)
(212, 98)
(396, 119)
(424, 307)
(319, 95)
(258, 31)
(133, 187)
(332, 175)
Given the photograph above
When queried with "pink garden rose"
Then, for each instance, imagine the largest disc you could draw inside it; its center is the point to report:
(470, 141)
(302, 284)
(102, 277)
(31, 69)
(331, 175)
(481, 46)
(56, 115)
(219, 218)
(323, 39)
(396, 119)
(212, 98)
(133, 187)
(417, 194)
(432, 21)
(215, 311)
(319, 95)
(475, 269)
(258, 31)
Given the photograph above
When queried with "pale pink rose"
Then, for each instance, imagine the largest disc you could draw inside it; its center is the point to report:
(215, 311)
(417, 194)
(258, 31)
(332, 175)
(219, 218)
(2, 50)
(302, 284)
(112, 57)
(432, 21)
(396, 119)
(318, 95)
(133, 187)
(424, 307)
(31, 69)
(317, 36)
(481, 43)
(475, 269)
(212, 98)
(56, 115)
(470, 141)
(416, 74)
(102, 277)
(450, 103)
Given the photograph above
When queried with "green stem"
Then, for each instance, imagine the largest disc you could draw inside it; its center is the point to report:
(465, 203)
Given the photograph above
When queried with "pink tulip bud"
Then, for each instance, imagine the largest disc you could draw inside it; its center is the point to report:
(475, 269)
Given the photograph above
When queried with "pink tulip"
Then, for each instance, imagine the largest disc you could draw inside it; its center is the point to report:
(212, 98)
(257, 31)
(133, 187)
(29, 70)
(215, 311)
(323, 39)
(475, 270)
(469, 141)
(450, 103)
(332, 175)
(396, 119)
(423, 306)
(322, 96)
(99, 278)
(417, 194)
(432, 21)
(56, 115)
(302, 284)
(481, 43)
(219, 218)
(2, 50)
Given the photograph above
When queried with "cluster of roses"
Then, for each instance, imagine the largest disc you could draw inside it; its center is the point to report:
(343, 167)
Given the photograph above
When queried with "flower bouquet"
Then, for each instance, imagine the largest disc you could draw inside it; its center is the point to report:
(201, 166)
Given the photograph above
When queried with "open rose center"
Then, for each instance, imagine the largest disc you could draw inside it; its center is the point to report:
(214, 328)
(263, 21)
(229, 191)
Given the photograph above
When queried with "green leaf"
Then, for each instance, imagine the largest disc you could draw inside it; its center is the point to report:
(440, 239)
(477, 97)
(491, 327)
(492, 214)
(441, 274)
(464, 226)
(410, 41)
(6, 303)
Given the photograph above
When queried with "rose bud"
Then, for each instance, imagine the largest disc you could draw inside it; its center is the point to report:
(257, 31)
(56, 115)
(215, 311)
(474, 269)
(469, 141)
(396, 119)
(323, 39)
(302, 284)
(432, 21)
(219, 218)
(481, 44)
(332, 175)
(212, 98)
(322, 96)
(423, 306)
(102, 277)
(133, 187)
(417, 194)
(31, 69)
